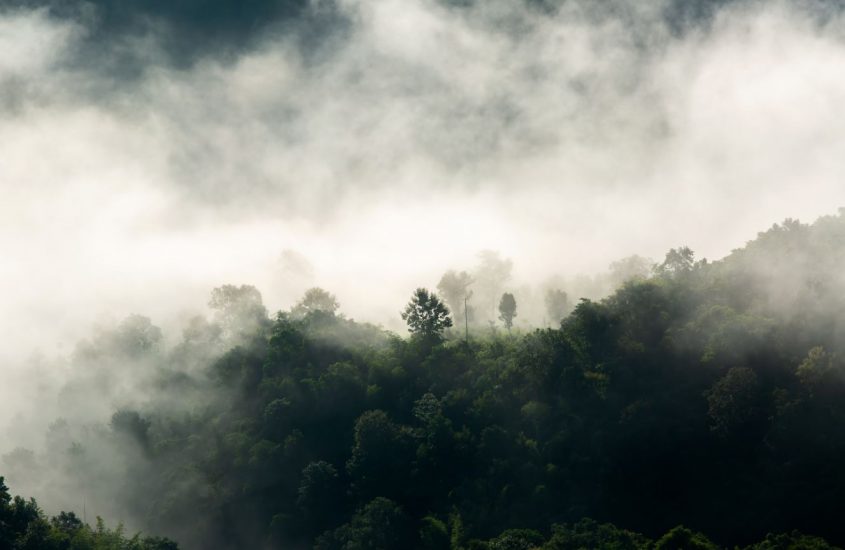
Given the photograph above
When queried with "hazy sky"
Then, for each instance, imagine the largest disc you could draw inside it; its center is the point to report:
(152, 153)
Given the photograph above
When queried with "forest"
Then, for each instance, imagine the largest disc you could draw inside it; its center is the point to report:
(699, 405)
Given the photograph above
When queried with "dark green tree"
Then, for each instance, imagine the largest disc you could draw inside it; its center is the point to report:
(588, 533)
(792, 541)
(517, 539)
(734, 402)
(681, 538)
(320, 496)
(427, 316)
(380, 525)
(381, 455)
(434, 534)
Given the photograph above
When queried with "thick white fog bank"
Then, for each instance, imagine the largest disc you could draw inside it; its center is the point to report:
(423, 136)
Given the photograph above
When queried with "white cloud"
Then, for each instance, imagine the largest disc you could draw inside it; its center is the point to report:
(565, 141)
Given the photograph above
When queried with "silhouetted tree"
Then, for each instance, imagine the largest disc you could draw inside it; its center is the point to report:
(507, 310)
(426, 315)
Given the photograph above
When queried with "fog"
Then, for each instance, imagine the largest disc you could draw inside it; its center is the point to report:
(368, 146)
(400, 147)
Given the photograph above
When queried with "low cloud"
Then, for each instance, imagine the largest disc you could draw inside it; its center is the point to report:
(385, 142)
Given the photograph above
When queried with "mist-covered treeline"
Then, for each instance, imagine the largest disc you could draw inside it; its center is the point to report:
(23, 525)
(154, 150)
(707, 394)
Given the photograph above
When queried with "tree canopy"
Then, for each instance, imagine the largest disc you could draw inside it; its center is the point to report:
(427, 316)
(24, 526)
(702, 406)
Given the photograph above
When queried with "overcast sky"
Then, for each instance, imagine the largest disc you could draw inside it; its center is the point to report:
(150, 151)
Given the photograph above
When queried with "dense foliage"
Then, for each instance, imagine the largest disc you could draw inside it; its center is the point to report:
(23, 526)
(710, 395)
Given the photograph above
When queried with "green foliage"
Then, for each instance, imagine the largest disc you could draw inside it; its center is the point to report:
(23, 526)
(734, 401)
(681, 538)
(380, 525)
(517, 539)
(381, 455)
(590, 534)
(456, 535)
(434, 535)
(426, 315)
(710, 394)
(320, 496)
(818, 371)
(791, 541)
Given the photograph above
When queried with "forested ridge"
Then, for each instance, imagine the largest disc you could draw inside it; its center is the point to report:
(706, 394)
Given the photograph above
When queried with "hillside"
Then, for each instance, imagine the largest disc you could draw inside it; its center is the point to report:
(710, 395)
